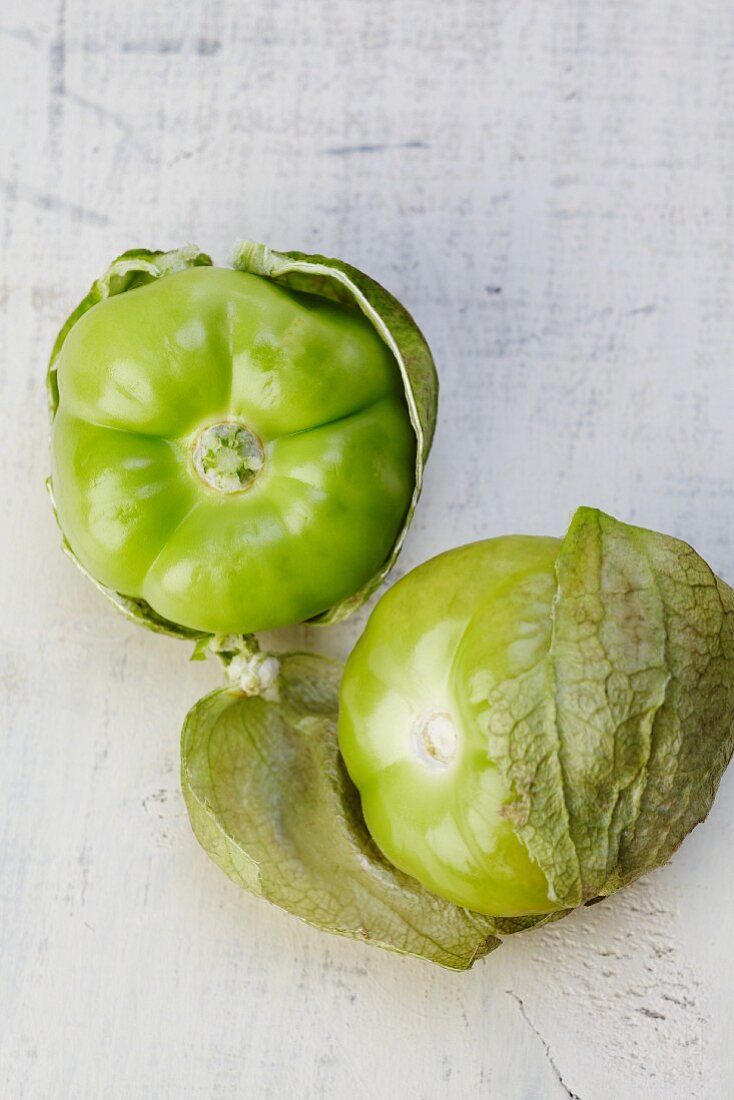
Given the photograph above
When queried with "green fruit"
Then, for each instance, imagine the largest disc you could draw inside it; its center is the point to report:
(231, 453)
(533, 723)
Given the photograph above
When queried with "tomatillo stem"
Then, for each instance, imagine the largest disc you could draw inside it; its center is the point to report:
(436, 739)
(228, 456)
(247, 669)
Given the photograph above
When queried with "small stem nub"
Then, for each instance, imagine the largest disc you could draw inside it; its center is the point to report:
(247, 669)
(228, 456)
(435, 739)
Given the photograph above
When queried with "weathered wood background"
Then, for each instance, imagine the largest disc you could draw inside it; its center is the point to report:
(549, 186)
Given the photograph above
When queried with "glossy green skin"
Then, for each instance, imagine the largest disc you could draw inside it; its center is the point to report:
(436, 643)
(142, 373)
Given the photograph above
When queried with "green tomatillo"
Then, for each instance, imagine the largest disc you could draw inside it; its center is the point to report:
(532, 723)
(238, 450)
(416, 718)
(525, 726)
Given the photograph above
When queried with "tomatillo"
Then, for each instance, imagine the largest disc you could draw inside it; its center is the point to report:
(532, 723)
(529, 723)
(237, 450)
(413, 725)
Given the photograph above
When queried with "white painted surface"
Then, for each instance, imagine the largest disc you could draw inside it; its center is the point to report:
(549, 186)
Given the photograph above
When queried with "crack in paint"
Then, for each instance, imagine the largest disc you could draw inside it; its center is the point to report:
(571, 1095)
(347, 150)
(52, 204)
